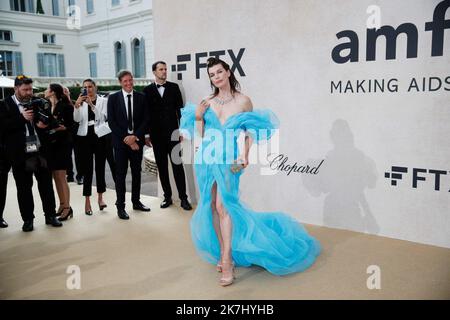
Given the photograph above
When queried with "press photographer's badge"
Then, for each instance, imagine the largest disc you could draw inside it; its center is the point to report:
(31, 144)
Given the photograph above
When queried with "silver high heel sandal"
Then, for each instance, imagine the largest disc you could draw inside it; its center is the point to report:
(226, 281)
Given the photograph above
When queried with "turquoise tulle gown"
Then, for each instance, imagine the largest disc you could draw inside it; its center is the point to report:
(272, 240)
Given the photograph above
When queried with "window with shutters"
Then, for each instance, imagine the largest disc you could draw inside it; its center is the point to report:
(5, 35)
(120, 57)
(51, 65)
(71, 5)
(55, 7)
(22, 5)
(93, 64)
(48, 38)
(138, 57)
(10, 63)
(90, 6)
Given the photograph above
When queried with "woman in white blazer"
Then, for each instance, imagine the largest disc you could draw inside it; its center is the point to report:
(90, 111)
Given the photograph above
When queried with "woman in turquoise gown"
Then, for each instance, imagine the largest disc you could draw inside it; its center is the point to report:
(225, 232)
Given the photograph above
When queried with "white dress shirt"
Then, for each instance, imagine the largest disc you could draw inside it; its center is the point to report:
(160, 89)
(125, 97)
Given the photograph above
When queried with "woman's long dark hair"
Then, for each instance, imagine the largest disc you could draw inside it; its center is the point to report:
(59, 92)
(234, 84)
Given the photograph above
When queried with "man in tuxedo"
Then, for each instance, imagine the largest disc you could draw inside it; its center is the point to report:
(128, 121)
(165, 101)
(23, 139)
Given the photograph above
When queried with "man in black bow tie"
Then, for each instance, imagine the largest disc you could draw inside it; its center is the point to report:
(165, 102)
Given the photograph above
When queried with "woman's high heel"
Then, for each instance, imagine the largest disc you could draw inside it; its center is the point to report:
(219, 267)
(102, 206)
(226, 281)
(58, 213)
(67, 216)
(88, 212)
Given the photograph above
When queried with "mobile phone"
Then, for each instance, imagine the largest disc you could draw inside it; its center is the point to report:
(84, 92)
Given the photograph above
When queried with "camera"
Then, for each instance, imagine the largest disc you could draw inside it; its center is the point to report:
(41, 109)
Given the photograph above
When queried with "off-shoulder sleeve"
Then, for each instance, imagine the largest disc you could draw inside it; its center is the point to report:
(187, 122)
(261, 124)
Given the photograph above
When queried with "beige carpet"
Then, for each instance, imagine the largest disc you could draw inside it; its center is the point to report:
(151, 256)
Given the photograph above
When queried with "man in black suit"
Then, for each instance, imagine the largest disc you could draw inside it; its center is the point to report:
(128, 121)
(165, 101)
(5, 166)
(22, 141)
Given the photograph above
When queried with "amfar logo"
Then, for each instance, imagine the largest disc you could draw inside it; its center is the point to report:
(437, 28)
(200, 61)
(418, 174)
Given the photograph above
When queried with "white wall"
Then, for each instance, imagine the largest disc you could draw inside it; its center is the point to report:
(27, 30)
(288, 66)
(97, 32)
(125, 22)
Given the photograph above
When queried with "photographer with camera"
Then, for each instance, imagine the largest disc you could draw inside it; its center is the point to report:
(94, 136)
(23, 121)
(57, 150)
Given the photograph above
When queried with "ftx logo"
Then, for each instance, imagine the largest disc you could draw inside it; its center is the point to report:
(418, 174)
(200, 61)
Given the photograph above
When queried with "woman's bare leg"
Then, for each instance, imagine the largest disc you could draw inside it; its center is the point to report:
(100, 199)
(87, 204)
(59, 190)
(65, 185)
(226, 232)
(216, 222)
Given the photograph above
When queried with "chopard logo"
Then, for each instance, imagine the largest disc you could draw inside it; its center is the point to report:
(279, 162)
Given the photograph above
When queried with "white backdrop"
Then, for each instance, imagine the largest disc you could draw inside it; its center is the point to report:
(286, 54)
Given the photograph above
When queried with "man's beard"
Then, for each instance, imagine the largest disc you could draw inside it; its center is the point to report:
(24, 99)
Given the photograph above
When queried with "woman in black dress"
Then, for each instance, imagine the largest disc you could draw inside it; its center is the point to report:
(58, 150)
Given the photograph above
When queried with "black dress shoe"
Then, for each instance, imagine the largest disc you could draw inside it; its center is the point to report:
(70, 179)
(27, 226)
(186, 205)
(166, 203)
(123, 214)
(3, 223)
(53, 221)
(140, 207)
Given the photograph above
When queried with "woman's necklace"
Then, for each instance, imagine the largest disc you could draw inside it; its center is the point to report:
(223, 101)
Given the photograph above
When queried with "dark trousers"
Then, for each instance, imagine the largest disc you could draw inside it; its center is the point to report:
(5, 166)
(76, 148)
(110, 155)
(93, 148)
(163, 148)
(123, 154)
(24, 184)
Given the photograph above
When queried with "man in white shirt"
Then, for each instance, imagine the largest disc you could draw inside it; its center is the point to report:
(128, 120)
